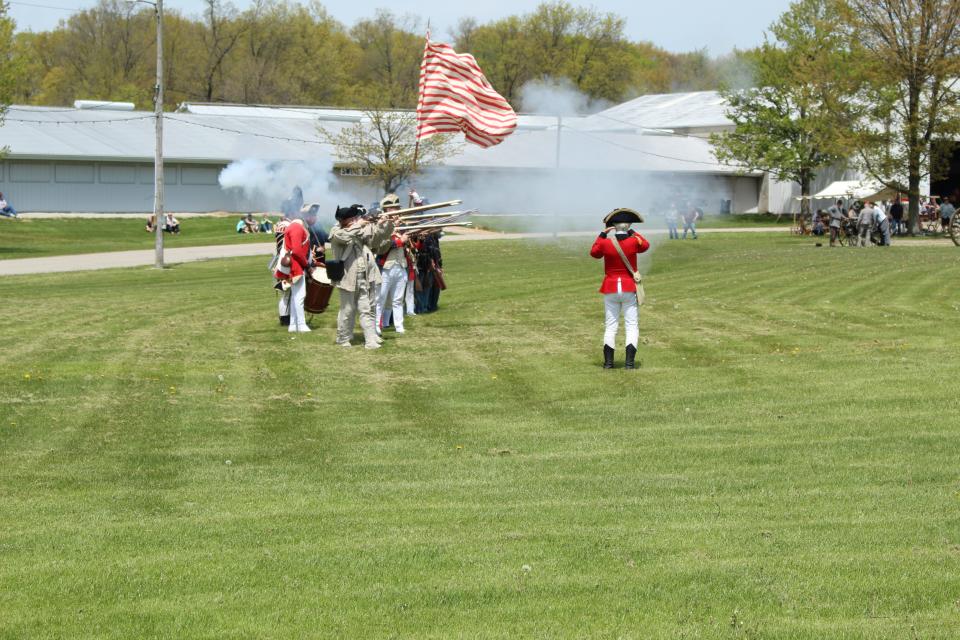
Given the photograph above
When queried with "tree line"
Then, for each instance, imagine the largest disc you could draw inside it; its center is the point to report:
(281, 52)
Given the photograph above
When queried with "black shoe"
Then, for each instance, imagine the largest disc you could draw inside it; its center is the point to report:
(631, 356)
(285, 321)
(607, 357)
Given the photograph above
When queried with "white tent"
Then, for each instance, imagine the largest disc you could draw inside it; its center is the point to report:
(855, 190)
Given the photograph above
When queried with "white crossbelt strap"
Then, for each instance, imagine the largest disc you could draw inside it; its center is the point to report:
(637, 278)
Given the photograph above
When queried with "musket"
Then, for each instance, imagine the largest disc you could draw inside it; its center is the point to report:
(424, 207)
(434, 226)
(432, 220)
(433, 215)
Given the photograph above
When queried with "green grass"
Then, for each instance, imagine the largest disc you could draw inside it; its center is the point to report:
(785, 465)
(515, 223)
(38, 237)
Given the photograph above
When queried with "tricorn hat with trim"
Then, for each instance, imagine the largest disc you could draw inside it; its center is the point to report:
(345, 213)
(622, 214)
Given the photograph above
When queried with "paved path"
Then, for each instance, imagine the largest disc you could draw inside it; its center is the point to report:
(143, 258)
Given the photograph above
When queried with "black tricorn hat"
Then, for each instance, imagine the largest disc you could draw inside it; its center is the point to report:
(622, 214)
(345, 213)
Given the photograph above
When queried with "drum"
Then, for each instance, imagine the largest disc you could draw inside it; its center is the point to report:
(318, 293)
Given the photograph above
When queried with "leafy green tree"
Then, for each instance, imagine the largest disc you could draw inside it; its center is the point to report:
(390, 66)
(790, 123)
(383, 147)
(908, 93)
(10, 67)
(500, 48)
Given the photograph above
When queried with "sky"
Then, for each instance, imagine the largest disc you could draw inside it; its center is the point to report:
(677, 25)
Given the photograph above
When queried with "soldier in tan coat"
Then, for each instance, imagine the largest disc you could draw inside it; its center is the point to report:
(350, 242)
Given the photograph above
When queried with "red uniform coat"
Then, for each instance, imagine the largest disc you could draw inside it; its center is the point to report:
(296, 240)
(615, 271)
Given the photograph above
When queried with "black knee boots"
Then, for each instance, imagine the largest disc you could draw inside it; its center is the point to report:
(631, 356)
(607, 357)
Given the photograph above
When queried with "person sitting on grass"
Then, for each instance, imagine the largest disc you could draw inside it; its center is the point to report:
(266, 225)
(251, 224)
(151, 226)
(171, 224)
(5, 209)
(242, 225)
(817, 228)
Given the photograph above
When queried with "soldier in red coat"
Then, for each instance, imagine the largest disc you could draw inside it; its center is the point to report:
(620, 287)
(293, 269)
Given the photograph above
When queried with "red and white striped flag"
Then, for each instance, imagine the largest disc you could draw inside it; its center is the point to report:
(455, 96)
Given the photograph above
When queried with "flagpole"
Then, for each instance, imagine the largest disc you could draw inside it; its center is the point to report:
(416, 147)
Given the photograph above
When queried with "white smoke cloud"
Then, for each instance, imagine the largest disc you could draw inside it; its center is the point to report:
(552, 96)
(265, 184)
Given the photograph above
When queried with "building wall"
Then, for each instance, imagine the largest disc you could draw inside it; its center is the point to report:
(576, 192)
(111, 187)
(117, 187)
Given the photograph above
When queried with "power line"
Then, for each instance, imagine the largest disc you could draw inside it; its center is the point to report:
(40, 6)
(247, 133)
(261, 135)
(108, 106)
(641, 151)
(58, 122)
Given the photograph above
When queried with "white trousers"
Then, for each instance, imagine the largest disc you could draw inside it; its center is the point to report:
(616, 304)
(411, 305)
(297, 293)
(391, 296)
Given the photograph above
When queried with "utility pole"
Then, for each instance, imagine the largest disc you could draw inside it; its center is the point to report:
(158, 155)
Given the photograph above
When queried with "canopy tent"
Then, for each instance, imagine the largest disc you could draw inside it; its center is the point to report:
(854, 190)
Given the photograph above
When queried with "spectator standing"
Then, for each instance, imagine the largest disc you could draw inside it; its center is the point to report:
(690, 217)
(865, 225)
(947, 211)
(836, 219)
(671, 218)
(896, 213)
(5, 209)
(415, 199)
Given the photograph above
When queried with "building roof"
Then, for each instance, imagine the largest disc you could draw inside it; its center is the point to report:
(696, 110)
(224, 133)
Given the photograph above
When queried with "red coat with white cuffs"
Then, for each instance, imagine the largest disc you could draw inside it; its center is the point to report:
(615, 271)
(296, 240)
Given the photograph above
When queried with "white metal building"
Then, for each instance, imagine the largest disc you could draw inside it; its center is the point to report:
(100, 159)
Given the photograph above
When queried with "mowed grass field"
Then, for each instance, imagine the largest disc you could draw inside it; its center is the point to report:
(784, 465)
(38, 237)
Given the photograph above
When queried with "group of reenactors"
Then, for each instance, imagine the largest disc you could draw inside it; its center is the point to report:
(382, 273)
